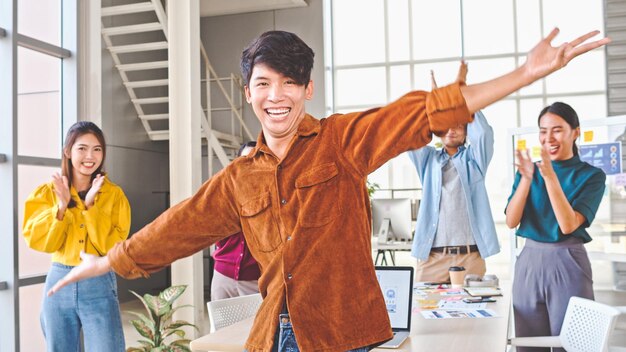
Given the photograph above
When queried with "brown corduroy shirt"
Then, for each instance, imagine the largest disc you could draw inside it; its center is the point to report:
(306, 219)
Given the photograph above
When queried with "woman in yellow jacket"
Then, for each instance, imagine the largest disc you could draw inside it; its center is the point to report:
(80, 210)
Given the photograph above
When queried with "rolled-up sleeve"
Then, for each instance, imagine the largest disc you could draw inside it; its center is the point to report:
(446, 108)
(370, 138)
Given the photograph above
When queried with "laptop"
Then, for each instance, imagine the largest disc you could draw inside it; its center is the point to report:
(396, 283)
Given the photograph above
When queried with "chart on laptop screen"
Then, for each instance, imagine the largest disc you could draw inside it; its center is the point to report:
(396, 288)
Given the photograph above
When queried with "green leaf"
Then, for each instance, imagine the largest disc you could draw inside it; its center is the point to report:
(149, 322)
(169, 314)
(143, 329)
(146, 344)
(157, 305)
(136, 349)
(181, 342)
(160, 349)
(145, 304)
(179, 323)
(181, 345)
(170, 294)
(180, 333)
(177, 348)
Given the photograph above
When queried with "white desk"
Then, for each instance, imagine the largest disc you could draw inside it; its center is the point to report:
(389, 247)
(485, 335)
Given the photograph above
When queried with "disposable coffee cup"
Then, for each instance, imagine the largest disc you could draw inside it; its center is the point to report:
(457, 275)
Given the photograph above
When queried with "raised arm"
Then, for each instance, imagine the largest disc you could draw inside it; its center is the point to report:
(541, 61)
(515, 208)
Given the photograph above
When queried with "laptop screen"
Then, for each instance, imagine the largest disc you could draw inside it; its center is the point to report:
(396, 283)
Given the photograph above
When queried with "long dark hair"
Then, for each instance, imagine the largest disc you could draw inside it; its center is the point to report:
(67, 169)
(564, 111)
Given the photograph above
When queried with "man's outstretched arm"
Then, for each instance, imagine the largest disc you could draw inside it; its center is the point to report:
(91, 266)
(541, 61)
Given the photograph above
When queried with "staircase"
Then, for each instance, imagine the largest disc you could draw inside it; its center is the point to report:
(138, 45)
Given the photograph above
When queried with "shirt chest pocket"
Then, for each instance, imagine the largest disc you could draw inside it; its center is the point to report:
(319, 195)
(259, 224)
(474, 173)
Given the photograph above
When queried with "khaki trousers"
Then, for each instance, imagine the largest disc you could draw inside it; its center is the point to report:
(435, 268)
(223, 287)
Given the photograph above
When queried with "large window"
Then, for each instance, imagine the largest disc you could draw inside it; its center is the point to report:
(40, 40)
(390, 47)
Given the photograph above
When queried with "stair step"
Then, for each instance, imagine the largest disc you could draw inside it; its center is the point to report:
(234, 140)
(150, 83)
(154, 117)
(162, 135)
(142, 66)
(127, 9)
(135, 28)
(138, 47)
(157, 100)
(230, 146)
(222, 109)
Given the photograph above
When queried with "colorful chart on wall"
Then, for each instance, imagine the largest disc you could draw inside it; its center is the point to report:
(606, 156)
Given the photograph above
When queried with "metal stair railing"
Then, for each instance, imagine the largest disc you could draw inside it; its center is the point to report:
(211, 76)
(213, 137)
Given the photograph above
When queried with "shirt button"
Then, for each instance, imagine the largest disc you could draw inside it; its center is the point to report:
(82, 225)
(283, 201)
(241, 255)
(289, 276)
(288, 238)
(280, 167)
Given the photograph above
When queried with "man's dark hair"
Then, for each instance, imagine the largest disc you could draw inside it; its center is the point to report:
(250, 144)
(283, 52)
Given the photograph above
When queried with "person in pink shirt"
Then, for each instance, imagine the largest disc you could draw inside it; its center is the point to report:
(236, 272)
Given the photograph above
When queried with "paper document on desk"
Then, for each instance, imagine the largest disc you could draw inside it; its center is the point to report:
(458, 304)
(458, 313)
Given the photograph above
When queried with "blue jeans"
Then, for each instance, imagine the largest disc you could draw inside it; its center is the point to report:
(286, 340)
(90, 304)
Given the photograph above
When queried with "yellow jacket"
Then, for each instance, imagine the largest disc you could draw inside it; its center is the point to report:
(93, 231)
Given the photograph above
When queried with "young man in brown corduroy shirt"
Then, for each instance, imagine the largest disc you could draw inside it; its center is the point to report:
(304, 207)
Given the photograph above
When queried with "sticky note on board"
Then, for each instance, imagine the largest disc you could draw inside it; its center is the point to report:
(587, 136)
(521, 144)
(536, 152)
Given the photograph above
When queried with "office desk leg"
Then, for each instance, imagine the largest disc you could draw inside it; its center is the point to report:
(383, 260)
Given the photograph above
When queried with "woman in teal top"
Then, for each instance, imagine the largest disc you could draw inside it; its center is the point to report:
(553, 201)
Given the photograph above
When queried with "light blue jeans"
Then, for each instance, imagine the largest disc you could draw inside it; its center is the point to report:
(286, 340)
(90, 304)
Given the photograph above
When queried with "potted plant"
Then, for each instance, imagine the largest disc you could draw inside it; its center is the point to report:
(157, 326)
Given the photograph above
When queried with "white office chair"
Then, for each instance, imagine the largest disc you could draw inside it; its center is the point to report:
(619, 332)
(586, 328)
(225, 312)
